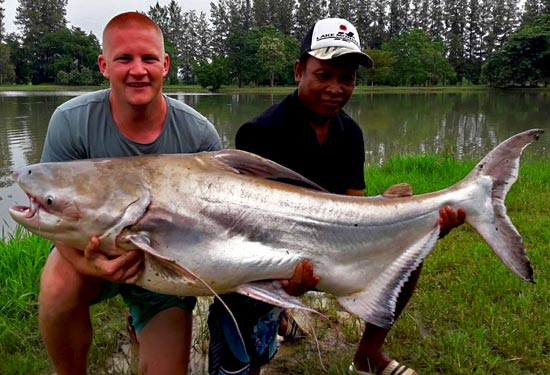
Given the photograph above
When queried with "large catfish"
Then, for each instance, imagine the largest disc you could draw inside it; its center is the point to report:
(219, 222)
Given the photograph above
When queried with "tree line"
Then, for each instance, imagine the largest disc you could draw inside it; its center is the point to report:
(244, 42)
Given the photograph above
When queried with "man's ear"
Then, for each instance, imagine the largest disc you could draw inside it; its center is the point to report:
(298, 69)
(102, 63)
(166, 64)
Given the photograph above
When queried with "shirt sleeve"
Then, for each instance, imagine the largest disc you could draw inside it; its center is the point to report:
(242, 138)
(210, 140)
(60, 144)
(253, 138)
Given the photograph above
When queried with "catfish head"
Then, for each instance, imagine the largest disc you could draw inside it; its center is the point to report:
(72, 201)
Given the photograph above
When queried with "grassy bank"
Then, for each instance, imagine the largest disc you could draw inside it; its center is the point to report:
(470, 315)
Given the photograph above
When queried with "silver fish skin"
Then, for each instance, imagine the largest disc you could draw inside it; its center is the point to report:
(220, 222)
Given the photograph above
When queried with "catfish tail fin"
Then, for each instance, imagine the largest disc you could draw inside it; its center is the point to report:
(502, 166)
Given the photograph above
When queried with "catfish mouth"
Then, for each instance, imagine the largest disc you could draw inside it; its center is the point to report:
(27, 212)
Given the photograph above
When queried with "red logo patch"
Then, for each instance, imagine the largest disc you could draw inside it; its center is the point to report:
(343, 27)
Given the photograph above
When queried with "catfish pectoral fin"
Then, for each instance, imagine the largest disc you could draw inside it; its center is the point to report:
(165, 267)
(271, 292)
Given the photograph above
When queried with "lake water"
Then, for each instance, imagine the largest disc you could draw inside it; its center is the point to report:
(465, 125)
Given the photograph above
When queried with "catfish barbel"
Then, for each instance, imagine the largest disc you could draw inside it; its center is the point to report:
(220, 222)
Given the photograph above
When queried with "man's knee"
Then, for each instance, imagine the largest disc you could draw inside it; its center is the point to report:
(62, 288)
(165, 342)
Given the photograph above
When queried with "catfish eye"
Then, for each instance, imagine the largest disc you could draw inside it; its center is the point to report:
(49, 200)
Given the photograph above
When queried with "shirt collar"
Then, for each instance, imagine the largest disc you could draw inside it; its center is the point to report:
(305, 115)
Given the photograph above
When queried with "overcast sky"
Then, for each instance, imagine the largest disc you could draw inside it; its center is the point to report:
(93, 15)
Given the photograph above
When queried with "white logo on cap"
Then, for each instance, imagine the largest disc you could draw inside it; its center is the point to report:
(341, 35)
(345, 36)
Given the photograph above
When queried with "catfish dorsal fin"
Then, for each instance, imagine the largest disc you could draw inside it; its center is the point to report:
(253, 165)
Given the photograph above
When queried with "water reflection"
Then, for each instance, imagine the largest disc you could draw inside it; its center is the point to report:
(229, 112)
(464, 125)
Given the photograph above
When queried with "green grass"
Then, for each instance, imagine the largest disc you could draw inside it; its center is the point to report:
(423, 173)
(22, 257)
(470, 315)
(21, 260)
(282, 90)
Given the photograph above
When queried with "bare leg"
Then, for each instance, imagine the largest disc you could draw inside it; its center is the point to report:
(63, 314)
(369, 356)
(165, 343)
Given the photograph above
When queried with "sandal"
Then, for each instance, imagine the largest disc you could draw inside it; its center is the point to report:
(393, 368)
(293, 331)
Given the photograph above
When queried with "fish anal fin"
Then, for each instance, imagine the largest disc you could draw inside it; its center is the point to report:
(402, 189)
(377, 301)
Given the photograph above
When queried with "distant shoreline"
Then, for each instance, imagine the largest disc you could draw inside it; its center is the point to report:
(277, 89)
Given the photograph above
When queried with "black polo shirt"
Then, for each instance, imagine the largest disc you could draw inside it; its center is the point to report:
(282, 134)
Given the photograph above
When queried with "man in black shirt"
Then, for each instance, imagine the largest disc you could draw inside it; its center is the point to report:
(310, 133)
(288, 133)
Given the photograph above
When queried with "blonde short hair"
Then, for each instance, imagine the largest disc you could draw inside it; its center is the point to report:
(124, 19)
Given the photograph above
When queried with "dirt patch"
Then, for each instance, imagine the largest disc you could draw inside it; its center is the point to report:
(327, 337)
